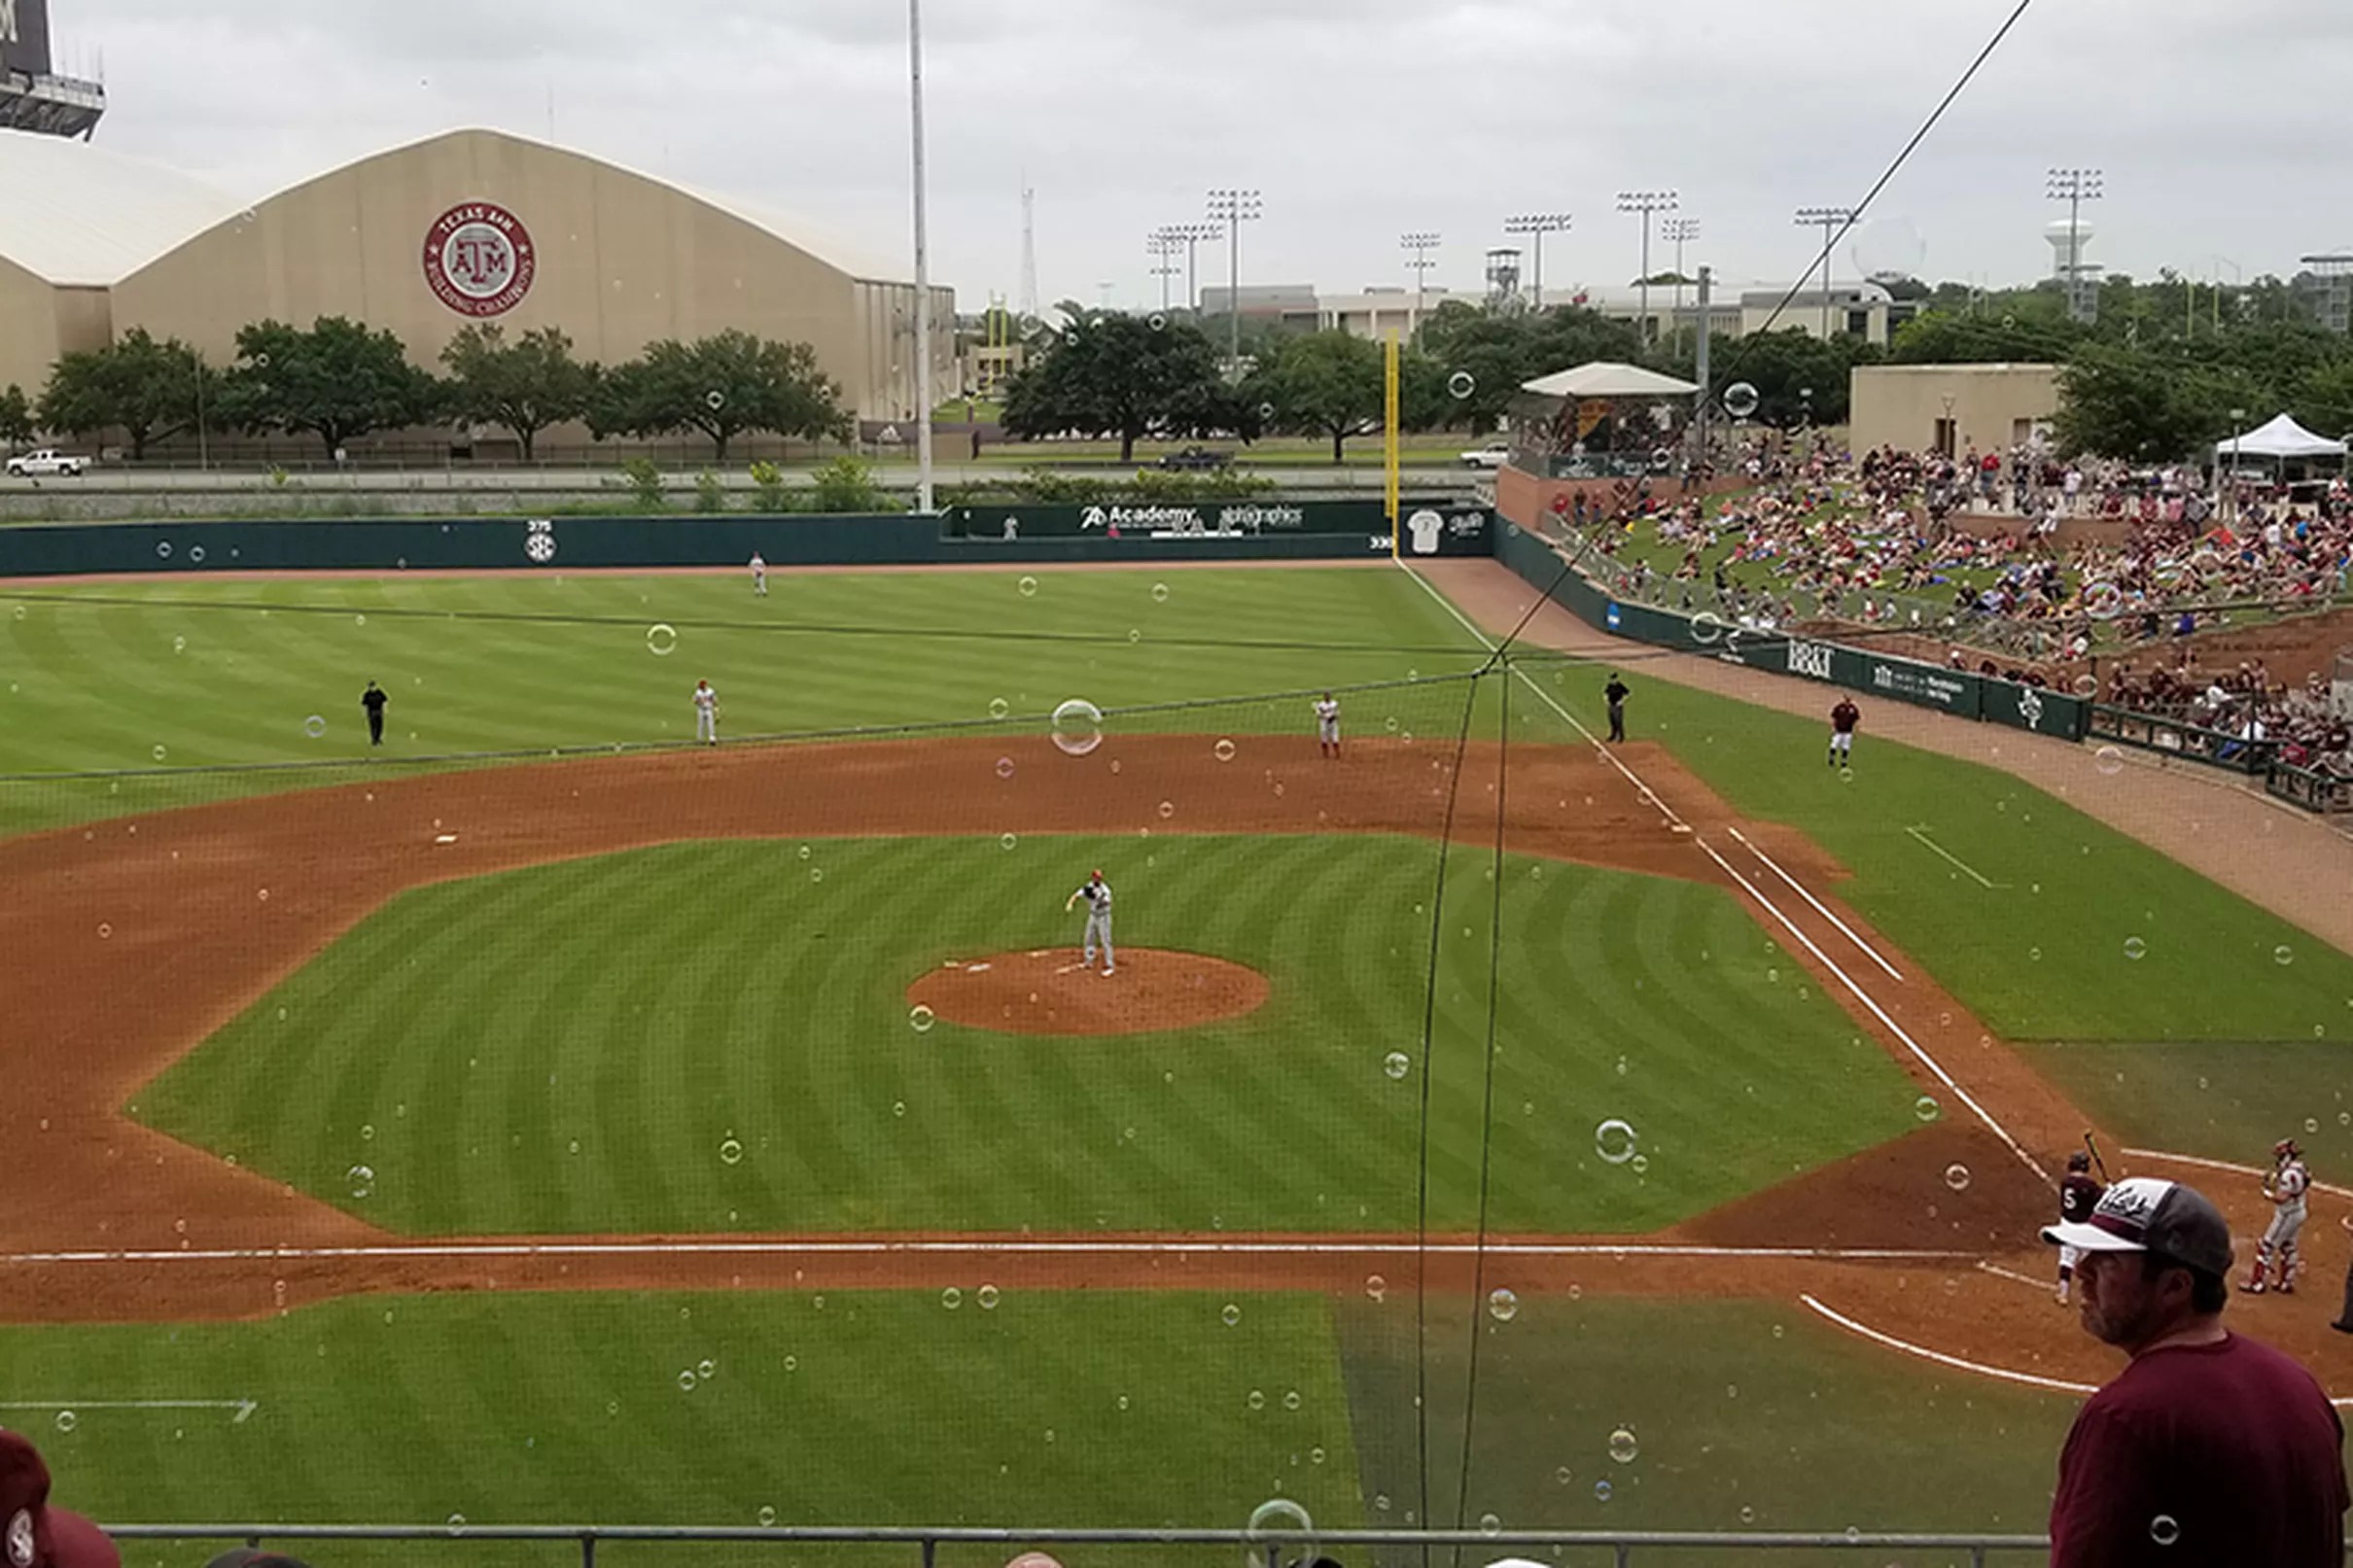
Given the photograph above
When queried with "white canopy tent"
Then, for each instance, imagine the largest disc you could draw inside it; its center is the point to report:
(2283, 437)
(1605, 378)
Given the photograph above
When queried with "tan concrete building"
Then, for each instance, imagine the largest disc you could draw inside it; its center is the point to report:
(1952, 408)
(76, 221)
(479, 225)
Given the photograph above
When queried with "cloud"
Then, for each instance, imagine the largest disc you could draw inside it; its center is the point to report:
(1358, 122)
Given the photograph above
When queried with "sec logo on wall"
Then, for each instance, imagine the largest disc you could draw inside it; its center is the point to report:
(479, 260)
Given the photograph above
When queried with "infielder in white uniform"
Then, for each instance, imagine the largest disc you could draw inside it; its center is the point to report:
(1097, 895)
(1327, 725)
(706, 712)
(759, 575)
(2285, 1186)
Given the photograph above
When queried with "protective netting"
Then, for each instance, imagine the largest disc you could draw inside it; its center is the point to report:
(1469, 1121)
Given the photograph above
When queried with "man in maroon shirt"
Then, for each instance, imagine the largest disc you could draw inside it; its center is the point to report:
(2208, 1450)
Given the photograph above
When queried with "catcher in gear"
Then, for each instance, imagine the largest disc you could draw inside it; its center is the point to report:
(2276, 1263)
(2079, 1195)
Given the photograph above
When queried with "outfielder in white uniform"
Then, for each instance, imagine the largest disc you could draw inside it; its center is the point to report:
(2275, 1254)
(1097, 895)
(1327, 725)
(706, 712)
(759, 575)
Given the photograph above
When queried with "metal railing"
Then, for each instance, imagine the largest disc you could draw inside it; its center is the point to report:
(2320, 792)
(2172, 737)
(1277, 1547)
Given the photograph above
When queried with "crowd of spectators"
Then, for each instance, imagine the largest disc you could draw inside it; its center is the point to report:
(1881, 539)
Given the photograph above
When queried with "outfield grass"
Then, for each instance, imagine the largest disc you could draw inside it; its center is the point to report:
(2046, 952)
(1742, 1416)
(570, 1048)
(99, 675)
(732, 1409)
(1069, 1409)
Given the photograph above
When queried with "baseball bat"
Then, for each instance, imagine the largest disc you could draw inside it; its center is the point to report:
(2097, 1163)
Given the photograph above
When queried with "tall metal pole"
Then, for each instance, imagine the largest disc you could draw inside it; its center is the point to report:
(1535, 226)
(1420, 243)
(1700, 369)
(204, 433)
(2075, 187)
(1645, 203)
(1234, 208)
(1680, 229)
(1829, 219)
(923, 267)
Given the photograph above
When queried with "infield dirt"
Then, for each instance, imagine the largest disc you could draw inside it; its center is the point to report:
(203, 910)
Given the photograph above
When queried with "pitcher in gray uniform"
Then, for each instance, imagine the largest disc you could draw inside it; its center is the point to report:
(1097, 895)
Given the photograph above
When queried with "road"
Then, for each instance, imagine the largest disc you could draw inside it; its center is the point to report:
(899, 476)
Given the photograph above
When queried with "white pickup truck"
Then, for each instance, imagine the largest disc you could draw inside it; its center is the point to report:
(1493, 455)
(33, 464)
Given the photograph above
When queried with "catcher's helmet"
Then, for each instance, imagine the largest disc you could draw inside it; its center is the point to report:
(2284, 1149)
(2079, 1161)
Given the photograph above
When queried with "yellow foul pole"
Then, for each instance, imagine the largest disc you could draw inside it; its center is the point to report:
(1390, 440)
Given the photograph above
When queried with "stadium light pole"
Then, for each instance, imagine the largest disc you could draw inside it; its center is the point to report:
(2075, 187)
(1233, 208)
(1681, 230)
(1190, 236)
(1535, 226)
(1161, 246)
(1646, 203)
(1829, 221)
(1420, 243)
(923, 265)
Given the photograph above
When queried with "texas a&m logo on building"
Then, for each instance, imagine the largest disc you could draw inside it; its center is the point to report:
(478, 260)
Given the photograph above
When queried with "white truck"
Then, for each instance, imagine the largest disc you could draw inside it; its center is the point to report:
(1493, 455)
(34, 465)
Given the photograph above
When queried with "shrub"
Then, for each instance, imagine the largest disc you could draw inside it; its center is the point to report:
(768, 488)
(708, 494)
(644, 477)
(847, 485)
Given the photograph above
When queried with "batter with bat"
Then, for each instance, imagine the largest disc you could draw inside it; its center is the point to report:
(2079, 1195)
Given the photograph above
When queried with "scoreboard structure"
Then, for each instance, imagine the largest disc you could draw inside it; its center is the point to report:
(33, 95)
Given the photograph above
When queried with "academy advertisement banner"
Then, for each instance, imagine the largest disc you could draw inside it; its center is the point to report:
(1430, 528)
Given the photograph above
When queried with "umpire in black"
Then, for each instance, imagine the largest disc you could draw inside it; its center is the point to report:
(373, 699)
(1616, 692)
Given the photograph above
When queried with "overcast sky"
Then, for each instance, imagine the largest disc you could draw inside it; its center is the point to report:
(2219, 126)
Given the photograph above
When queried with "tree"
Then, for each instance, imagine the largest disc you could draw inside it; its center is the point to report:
(145, 389)
(724, 386)
(15, 417)
(1326, 383)
(338, 380)
(1798, 377)
(523, 386)
(1108, 374)
(2132, 404)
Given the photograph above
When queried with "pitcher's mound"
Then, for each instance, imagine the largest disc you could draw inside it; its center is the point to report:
(1050, 992)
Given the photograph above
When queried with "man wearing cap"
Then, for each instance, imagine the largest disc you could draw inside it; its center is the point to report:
(1097, 895)
(2208, 1447)
(33, 1534)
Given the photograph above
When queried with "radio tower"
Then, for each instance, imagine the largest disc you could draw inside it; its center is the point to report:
(1029, 251)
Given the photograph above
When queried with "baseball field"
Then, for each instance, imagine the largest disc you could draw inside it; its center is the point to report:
(541, 1118)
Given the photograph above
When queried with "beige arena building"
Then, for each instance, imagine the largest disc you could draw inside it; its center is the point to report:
(474, 226)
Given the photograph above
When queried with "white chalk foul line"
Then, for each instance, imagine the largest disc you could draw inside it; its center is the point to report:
(2255, 1172)
(1918, 1051)
(1819, 908)
(243, 1406)
(2045, 1285)
(977, 1246)
(2030, 1380)
(1934, 848)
